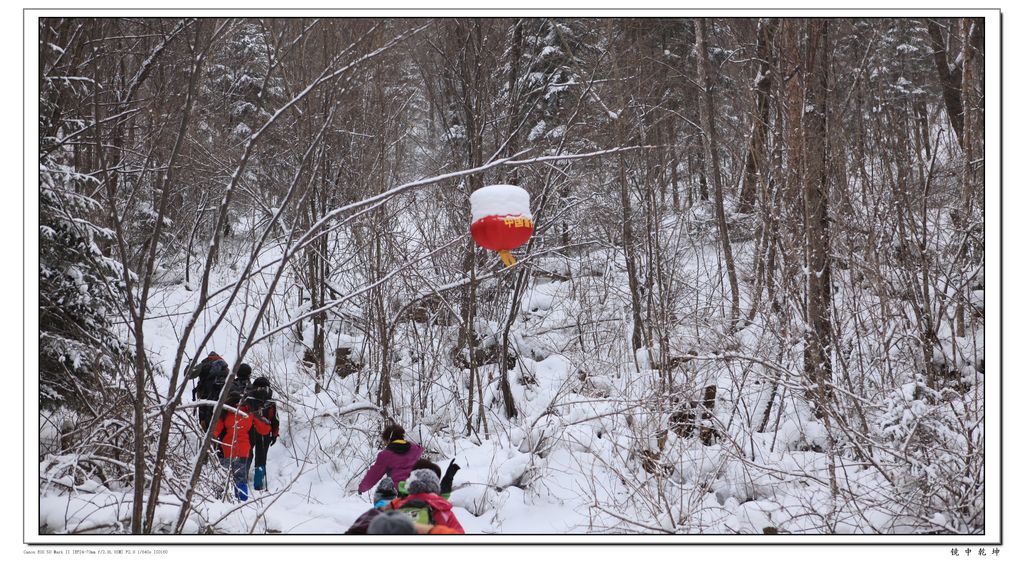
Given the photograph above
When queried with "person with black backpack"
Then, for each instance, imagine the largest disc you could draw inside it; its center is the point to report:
(260, 401)
(212, 374)
(241, 383)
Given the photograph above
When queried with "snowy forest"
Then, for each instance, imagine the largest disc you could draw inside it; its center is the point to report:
(753, 301)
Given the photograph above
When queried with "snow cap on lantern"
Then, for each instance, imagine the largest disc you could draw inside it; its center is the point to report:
(500, 200)
(501, 219)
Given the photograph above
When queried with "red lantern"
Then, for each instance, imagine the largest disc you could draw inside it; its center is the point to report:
(501, 219)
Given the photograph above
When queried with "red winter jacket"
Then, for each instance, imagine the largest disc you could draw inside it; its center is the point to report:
(440, 509)
(232, 429)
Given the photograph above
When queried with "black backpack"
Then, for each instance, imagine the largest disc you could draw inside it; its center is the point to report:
(239, 386)
(213, 374)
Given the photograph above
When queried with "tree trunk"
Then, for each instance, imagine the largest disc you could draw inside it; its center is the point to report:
(627, 247)
(674, 162)
(789, 211)
(971, 139)
(511, 175)
(756, 164)
(818, 350)
(949, 78)
(467, 339)
(384, 393)
(625, 200)
(711, 159)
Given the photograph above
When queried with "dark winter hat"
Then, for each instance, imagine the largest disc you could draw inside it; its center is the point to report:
(259, 389)
(244, 371)
(391, 523)
(427, 464)
(385, 490)
(393, 432)
(423, 481)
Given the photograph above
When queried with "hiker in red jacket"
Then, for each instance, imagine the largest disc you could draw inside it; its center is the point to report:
(396, 460)
(232, 432)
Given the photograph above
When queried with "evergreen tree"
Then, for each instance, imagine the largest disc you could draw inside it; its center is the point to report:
(77, 345)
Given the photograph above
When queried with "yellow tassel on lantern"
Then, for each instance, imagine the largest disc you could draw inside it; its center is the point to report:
(506, 258)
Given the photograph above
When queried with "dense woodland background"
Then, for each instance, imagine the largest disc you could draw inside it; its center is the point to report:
(744, 225)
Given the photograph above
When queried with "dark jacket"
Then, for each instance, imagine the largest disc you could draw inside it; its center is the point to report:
(395, 461)
(362, 524)
(212, 372)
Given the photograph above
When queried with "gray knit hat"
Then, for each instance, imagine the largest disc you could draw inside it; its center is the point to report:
(423, 481)
(391, 523)
(385, 490)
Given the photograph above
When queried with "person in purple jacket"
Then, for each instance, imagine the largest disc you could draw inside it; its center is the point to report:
(396, 460)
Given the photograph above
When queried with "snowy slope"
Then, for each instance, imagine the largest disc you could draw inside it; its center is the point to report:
(588, 453)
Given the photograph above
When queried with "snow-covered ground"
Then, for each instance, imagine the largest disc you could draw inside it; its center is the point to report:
(589, 451)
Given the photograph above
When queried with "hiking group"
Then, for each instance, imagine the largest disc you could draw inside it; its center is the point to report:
(247, 426)
(411, 495)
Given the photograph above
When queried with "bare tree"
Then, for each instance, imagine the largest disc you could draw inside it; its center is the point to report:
(710, 136)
